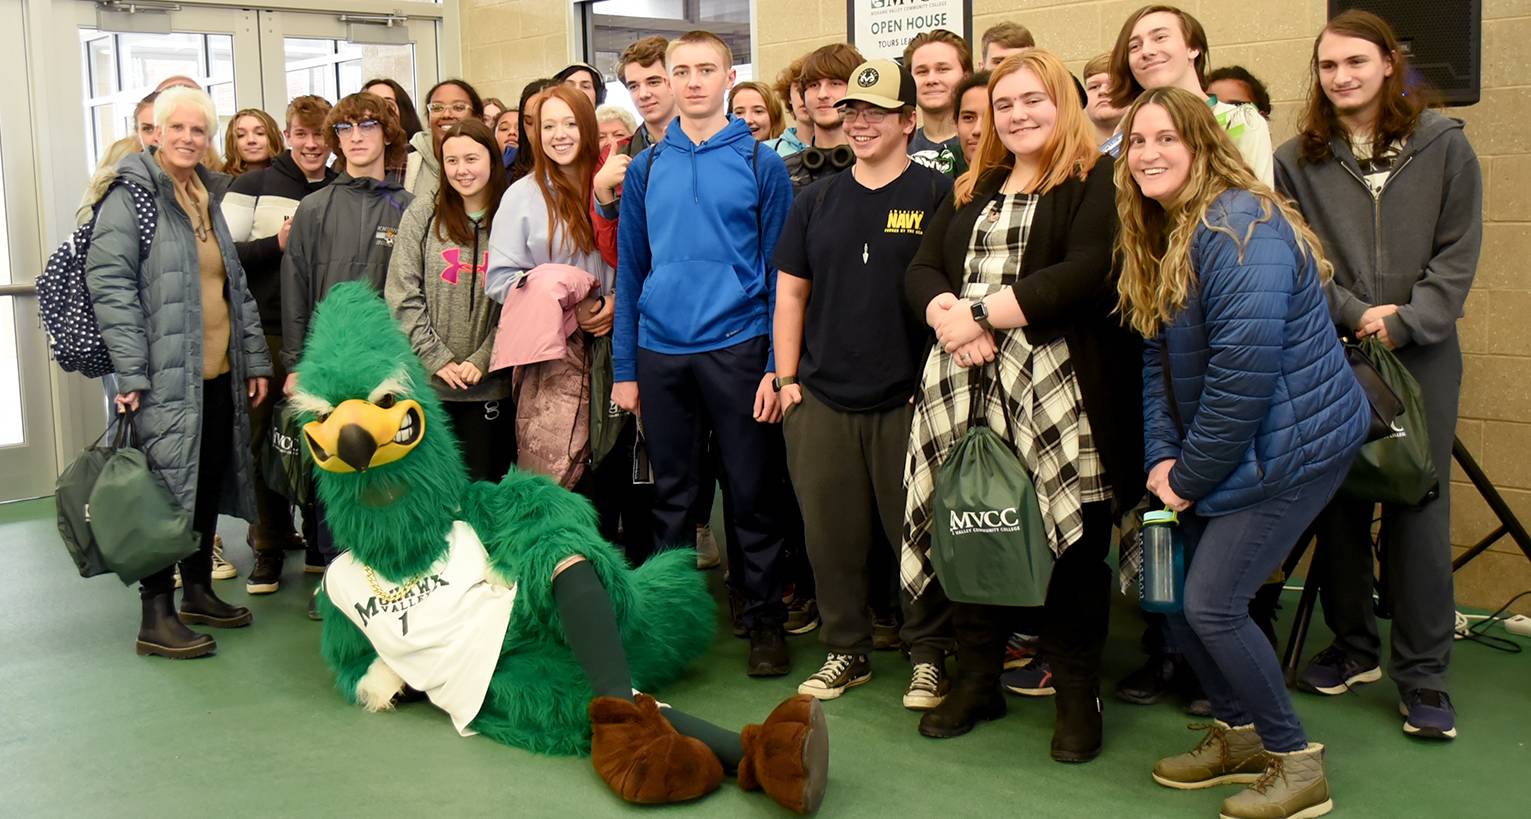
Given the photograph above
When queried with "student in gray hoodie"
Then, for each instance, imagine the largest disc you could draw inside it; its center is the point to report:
(436, 289)
(1395, 193)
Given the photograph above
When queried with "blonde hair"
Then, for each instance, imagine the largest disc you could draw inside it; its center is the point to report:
(1070, 151)
(769, 99)
(233, 161)
(1154, 244)
(616, 113)
(172, 98)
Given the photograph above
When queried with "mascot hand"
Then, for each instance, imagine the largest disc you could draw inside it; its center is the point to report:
(379, 687)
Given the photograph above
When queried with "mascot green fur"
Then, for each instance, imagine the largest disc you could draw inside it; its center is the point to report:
(397, 497)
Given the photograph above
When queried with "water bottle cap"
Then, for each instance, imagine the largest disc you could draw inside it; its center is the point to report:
(1161, 516)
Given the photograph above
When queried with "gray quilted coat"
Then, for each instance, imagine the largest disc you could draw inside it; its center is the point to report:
(151, 319)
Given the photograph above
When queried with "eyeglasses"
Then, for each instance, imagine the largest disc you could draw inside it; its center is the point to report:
(367, 126)
(872, 116)
(458, 108)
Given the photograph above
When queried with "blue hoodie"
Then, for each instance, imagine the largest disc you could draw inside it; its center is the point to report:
(692, 273)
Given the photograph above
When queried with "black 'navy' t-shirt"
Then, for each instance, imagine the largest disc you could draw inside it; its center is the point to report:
(862, 346)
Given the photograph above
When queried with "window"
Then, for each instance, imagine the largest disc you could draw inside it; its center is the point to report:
(121, 69)
(335, 68)
(611, 25)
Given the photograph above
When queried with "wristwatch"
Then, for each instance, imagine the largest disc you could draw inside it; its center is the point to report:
(981, 314)
(783, 381)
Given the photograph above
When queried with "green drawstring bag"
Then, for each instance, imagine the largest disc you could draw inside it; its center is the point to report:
(137, 524)
(72, 495)
(606, 418)
(1397, 468)
(283, 462)
(987, 541)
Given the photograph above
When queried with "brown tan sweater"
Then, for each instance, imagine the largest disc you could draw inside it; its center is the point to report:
(192, 198)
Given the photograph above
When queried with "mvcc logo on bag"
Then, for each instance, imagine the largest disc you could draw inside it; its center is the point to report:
(286, 445)
(984, 521)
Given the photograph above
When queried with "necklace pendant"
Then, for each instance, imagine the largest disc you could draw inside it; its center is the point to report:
(201, 233)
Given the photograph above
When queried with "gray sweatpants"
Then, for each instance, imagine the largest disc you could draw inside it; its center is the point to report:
(1418, 548)
(848, 472)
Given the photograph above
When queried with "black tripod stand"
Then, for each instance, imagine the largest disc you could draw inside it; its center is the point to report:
(1509, 524)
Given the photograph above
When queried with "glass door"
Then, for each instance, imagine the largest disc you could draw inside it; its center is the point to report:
(27, 462)
(333, 54)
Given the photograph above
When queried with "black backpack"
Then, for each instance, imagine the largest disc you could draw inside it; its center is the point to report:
(64, 302)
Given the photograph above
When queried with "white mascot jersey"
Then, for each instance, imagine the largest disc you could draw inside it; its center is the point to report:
(442, 632)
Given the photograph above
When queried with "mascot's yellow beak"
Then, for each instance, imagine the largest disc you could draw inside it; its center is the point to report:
(359, 435)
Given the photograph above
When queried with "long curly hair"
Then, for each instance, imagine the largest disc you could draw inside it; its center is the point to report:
(568, 194)
(1153, 245)
(1070, 151)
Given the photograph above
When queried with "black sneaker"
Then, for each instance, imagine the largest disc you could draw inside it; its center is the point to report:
(1427, 714)
(266, 577)
(802, 615)
(1150, 683)
(768, 652)
(839, 672)
(1333, 671)
(313, 559)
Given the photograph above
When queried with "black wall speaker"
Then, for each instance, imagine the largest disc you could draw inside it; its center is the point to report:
(1442, 38)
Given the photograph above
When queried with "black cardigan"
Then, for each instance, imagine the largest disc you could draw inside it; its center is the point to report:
(1067, 289)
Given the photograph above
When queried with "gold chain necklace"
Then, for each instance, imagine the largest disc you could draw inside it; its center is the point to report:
(399, 593)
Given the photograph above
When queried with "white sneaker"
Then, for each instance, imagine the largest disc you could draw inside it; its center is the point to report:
(839, 672)
(927, 687)
(706, 548)
(222, 569)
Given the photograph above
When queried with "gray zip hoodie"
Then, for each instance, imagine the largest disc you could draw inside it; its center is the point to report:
(1414, 245)
(422, 170)
(436, 289)
(339, 234)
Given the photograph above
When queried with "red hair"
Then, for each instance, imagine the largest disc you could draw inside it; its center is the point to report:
(568, 194)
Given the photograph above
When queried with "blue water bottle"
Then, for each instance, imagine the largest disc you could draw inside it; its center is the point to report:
(1161, 586)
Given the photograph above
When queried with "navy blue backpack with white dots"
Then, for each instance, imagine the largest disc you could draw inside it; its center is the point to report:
(68, 313)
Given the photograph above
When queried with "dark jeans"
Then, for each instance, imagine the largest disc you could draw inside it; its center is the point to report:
(1074, 619)
(1418, 544)
(848, 469)
(486, 431)
(1228, 559)
(684, 394)
(212, 470)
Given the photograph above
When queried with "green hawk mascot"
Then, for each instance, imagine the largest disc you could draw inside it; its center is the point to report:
(500, 602)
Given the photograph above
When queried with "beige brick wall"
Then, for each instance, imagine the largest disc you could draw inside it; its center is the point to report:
(508, 42)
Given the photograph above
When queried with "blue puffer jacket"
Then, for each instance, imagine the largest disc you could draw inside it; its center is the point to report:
(1259, 376)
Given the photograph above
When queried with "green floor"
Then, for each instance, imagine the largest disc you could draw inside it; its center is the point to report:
(93, 730)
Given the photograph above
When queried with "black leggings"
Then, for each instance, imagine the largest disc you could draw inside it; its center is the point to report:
(486, 431)
(589, 625)
(212, 467)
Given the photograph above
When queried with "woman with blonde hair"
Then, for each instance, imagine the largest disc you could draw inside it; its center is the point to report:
(758, 106)
(1014, 276)
(1251, 418)
(250, 142)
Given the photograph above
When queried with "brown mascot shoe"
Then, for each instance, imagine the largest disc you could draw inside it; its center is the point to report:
(643, 758)
(788, 755)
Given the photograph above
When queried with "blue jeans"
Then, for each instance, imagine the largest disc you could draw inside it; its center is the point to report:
(1229, 557)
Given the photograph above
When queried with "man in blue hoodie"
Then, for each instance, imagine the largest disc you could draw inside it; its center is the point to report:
(701, 211)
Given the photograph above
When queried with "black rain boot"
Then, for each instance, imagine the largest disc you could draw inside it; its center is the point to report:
(200, 605)
(161, 633)
(1077, 727)
(975, 698)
